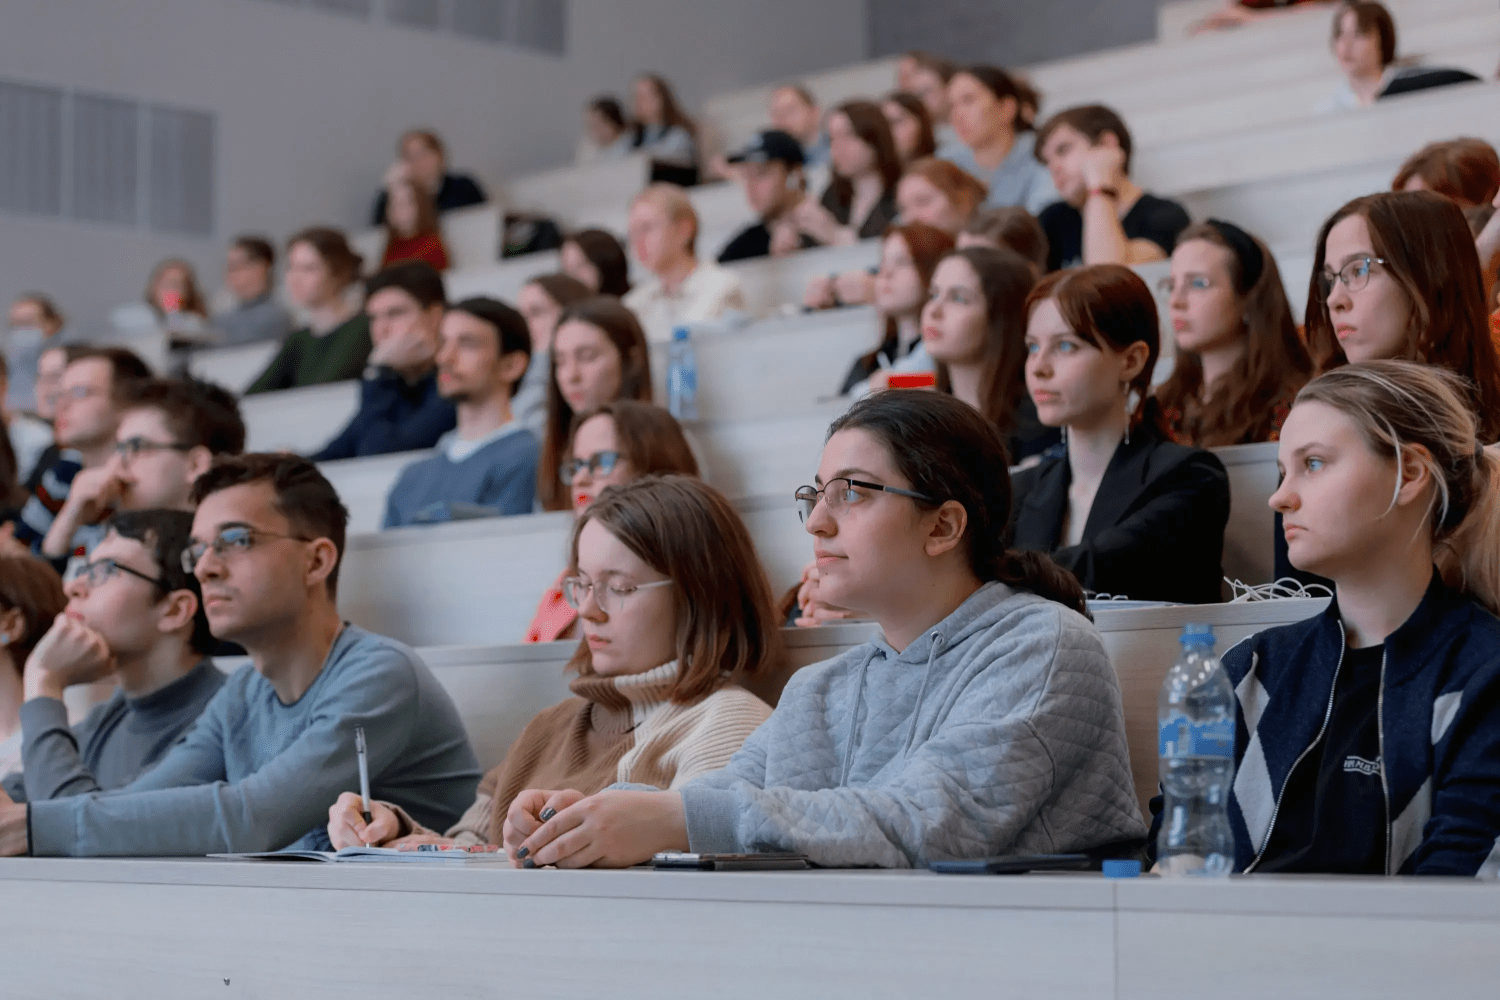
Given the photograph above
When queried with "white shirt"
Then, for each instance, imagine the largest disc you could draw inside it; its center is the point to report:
(707, 294)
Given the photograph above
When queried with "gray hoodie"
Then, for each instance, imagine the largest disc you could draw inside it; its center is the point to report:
(998, 731)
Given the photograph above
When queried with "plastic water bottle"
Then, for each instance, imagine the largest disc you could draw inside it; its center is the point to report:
(682, 376)
(1195, 715)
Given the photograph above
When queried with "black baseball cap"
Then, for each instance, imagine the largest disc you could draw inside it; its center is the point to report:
(770, 146)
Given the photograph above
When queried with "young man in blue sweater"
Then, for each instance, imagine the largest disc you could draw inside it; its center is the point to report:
(400, 407)
(276, 744)
(487, 466)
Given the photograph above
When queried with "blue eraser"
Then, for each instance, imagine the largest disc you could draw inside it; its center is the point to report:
(1122, 868)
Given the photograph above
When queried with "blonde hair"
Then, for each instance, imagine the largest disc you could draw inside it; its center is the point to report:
(672, 200)
(1411, 412)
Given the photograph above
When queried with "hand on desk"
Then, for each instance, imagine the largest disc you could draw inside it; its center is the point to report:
(346, 825)
(613, 829)
(12, 827)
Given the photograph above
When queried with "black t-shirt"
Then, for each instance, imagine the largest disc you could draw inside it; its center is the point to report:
(882, 215)
(1332, 818)
(754, 241)
(1150, 218)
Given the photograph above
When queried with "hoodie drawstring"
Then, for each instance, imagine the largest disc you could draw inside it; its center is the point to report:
(859, 706)
(937, 644)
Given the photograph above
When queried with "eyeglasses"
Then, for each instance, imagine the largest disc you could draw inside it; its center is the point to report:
(130, 448)
(838, 500)
(600, 463)
(610, 597)
(1354, 275)
(98, 571)
(234, 540)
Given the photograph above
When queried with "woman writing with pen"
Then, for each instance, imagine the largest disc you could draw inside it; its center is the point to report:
(675, 613)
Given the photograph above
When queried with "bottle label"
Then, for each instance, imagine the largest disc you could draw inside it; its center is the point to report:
(1180, 737)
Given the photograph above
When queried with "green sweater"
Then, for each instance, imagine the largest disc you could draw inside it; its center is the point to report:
(305, 359)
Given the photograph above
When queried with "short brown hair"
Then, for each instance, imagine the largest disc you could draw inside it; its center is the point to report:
(303, 496)
(650, 438)
(426, 137)
(33, 587)
(44, 305)
(125, 366)
(199, 414)
(1466, 170)
(1369, 16)
(1015, 228)
(727, 627)
(1092, 121)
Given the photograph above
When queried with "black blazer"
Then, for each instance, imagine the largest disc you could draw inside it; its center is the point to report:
(1155, 531)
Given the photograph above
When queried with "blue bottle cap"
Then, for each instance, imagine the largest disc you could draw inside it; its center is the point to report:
(1197, 633)
(1122, 868)
(680, 333)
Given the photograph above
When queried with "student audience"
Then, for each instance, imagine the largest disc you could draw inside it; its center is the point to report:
(1103, 216)
(939, 194)
(682, 289)
(64, 512)
(1395, 276)
(174, 296)
(400, 405)
(170, 431)
(770, 169)
(860, 200)
(994, 140)
(49, 371)
(485, 466)
(541, 304)
(1011, 228)
(795, 112)
(421, 157)
(606, 134)
(908, 255)
(321, 271)
(911, 126)
(250, 277)
(985, 665)
(35, 324)
(25, 439)
(1383, 469)
(31, 597)
(974, 330)
(1465, 170)
(927, 76)
(599, 355)
(411, 227)
(1125, 510)
(1364, 44)
(596, 259)
(1240, 358)
(276, 745)
(136, 615)
(676, 615)
(664, 132)
(615, 444)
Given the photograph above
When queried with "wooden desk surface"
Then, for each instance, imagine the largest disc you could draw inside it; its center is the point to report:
(197, 928)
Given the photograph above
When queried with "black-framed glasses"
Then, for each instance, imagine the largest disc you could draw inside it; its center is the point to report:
(130, 448)
(600, 463)
(1354, 275)
(837, 500)
(609, 596)
(99, 571)
(233, 540)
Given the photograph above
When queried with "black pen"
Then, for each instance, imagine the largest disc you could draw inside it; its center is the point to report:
(364, 772)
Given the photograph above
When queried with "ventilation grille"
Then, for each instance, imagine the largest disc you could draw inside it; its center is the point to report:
(108, 159)
(542, 25)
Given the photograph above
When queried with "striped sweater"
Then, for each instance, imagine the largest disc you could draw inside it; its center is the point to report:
(616, 729)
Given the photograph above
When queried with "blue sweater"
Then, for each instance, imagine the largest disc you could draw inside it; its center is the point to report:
(1439, 731)
(497, 479)
(394, 415)
(258, 775)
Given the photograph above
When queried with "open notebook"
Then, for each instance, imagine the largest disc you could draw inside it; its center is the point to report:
(450, 856)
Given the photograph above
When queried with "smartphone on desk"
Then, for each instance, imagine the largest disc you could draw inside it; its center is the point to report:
(1015, 864)
(771, 862)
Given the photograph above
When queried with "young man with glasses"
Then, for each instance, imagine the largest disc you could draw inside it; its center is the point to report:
(168, 432)
(277, 744)
(135, 614)
(87, 417)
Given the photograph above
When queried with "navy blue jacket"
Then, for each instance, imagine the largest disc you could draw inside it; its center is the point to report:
(1439, 731)
(394, 415)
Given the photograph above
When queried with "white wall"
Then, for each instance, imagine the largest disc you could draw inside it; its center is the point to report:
(309, 104)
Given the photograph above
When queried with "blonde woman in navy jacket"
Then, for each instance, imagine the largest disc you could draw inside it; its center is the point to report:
(1368, 737)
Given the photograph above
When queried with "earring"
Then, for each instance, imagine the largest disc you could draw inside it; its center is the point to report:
(4, 638)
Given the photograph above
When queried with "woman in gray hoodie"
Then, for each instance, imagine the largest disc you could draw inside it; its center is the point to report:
(985, 720)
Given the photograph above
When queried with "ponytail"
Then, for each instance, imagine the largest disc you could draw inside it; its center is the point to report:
(1468, 556)
(1037, 573)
